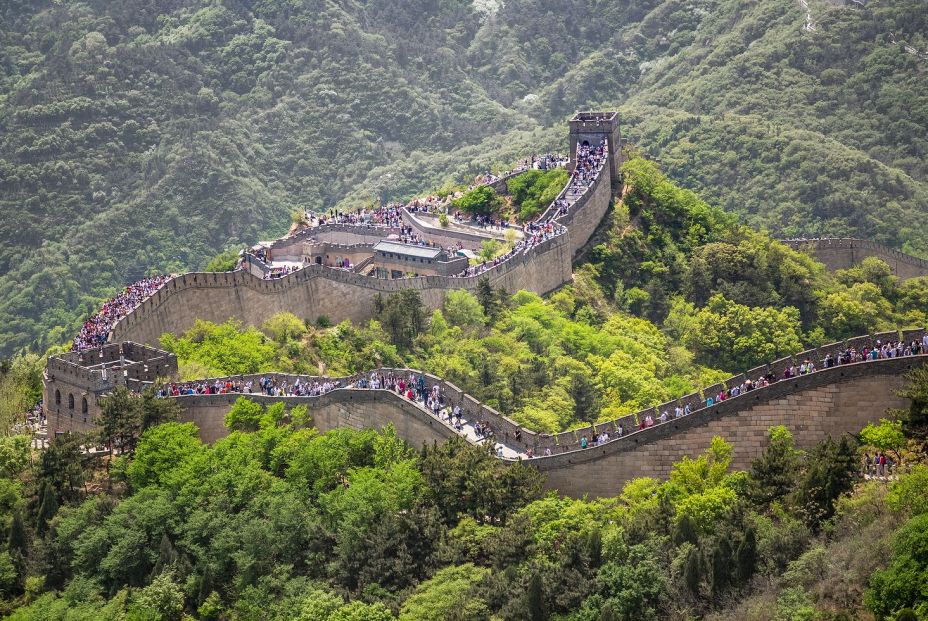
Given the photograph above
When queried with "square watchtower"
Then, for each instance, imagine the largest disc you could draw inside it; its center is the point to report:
(590, 128)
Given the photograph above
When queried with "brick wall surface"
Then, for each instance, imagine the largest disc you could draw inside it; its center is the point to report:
(839, 405)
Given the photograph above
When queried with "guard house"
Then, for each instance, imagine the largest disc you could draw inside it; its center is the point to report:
(397, 260)
(591, 128)
(75, 381)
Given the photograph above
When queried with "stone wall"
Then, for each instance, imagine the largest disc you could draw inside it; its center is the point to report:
(831, 402)
(316, 290)
(843, 253)
(354, 408)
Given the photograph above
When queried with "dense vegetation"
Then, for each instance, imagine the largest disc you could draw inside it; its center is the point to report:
(144, 137)
(277, 521)
(677, 296)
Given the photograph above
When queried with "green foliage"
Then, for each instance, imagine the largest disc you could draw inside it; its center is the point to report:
(225, 261)
(773, 474)
(534, 190)
(466, 481)
(481, 201)
(832, 466)
(885, 436)
(915, 420)
(20, 388)
(907, 494)
(245, 415)
(284, 328)
(448, 595)
(900, 585)
(732, 336)
(125, 415)
(401, 315)
(224, 349)
(462, 309)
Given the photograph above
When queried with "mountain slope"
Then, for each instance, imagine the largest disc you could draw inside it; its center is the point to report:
(140, 137)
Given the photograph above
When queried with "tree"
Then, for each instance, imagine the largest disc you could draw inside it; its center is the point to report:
(721, 565)
(225, 348)
(245, 415)
(465, 480)
(402, 315)
(16, 544)
(915, 419)
(608, 613)
(773, 474)
(746, 556)
(60, 465)
(900, 585)
(887, 436)
(120, 421)
(154, 410)
(535, 599)
(489, 298)
(481, 201)
(225, 261)
(585, 397)
(462, 309)
(48, 507)
(449, 594)
(684, 531)
(692, 570)
(831, 468)
(163, 599)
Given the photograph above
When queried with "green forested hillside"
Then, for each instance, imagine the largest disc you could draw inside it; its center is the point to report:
(146, 136)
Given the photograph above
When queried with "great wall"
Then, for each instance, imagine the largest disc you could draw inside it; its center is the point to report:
(843, 253)
(831, 401)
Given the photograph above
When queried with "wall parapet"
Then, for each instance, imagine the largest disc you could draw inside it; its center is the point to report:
(844, 252)
(733, 406)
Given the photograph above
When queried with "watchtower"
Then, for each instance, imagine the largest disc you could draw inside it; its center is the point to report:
(590, 128)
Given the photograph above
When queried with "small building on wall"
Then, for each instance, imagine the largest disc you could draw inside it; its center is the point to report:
(75, 382)
(394, 260)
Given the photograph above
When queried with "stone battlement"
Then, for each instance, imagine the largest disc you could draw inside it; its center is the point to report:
(840, 253)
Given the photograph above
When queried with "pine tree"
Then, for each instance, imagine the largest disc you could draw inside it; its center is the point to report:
(487, 297)
(746, 556)
(721, 565)
(17, 541)
(48, 507)
(167, 556)
(773, 474)
(595, 548)
(684, 531)
(17, 544)
(692, 571)
(535, 600)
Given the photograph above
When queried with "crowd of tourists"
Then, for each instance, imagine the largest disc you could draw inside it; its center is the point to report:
(534, 234)
(265, 385)
(96, 329)
(386, 215)
(879, 465)
(545, 161)
(589, 160)
(589, 165)
(280, 272)
(878, 351)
